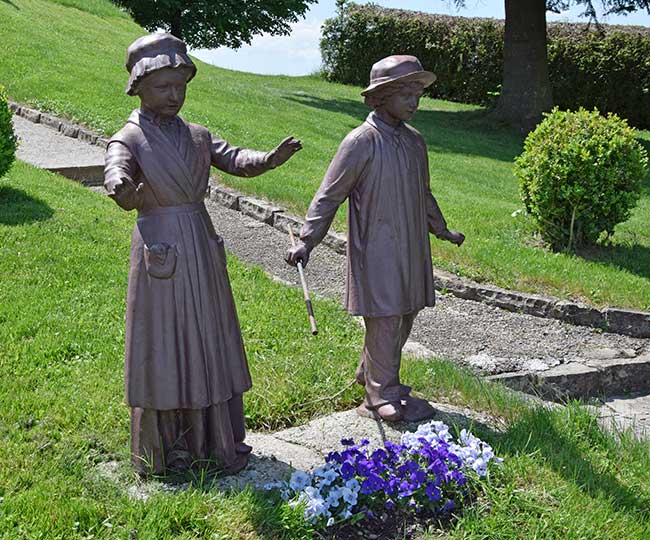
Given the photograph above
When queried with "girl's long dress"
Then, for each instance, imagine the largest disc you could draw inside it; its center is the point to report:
(185, 366)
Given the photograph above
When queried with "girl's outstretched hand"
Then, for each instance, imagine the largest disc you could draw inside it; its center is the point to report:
(281, 153)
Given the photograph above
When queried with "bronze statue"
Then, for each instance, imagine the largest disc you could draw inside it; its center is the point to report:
(382, 167)
(185, 366)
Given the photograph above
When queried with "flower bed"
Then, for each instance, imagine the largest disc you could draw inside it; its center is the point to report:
(428, 475)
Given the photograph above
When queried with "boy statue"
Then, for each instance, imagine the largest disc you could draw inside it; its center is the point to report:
(185, 366)
(382, 167)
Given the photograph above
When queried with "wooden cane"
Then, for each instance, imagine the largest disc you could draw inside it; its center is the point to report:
(305, 291)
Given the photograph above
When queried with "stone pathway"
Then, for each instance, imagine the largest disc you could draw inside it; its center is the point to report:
(486, 338)
(490, 340)
(46, 148)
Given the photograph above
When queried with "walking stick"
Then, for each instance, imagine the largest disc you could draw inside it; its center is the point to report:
(305, 291)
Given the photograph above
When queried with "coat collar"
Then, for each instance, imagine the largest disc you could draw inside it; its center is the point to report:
(384, 127)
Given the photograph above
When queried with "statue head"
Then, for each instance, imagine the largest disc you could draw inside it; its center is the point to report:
(149, 54)
(396, 85)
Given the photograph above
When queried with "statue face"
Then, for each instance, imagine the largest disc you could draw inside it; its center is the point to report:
(163, 91)
(402, 104)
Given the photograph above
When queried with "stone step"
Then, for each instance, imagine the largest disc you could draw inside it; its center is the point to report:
(88, 175)
(584, 378)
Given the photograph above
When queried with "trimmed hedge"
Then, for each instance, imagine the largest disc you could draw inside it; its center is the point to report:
(608, 69)
(580, 175)
(7, 137)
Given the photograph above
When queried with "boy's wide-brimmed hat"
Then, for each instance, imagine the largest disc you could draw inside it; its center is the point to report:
(155, 51)
(399, 67)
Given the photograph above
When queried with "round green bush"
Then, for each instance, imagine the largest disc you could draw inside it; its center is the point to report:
(7, 137)
(580, 175)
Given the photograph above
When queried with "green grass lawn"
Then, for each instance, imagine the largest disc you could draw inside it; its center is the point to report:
(63, 271)
(67, 56)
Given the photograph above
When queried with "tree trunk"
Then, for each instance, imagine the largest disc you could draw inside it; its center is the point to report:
(526, 90)
(175, 26)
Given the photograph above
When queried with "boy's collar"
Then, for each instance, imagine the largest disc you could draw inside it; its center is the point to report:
(376, 121)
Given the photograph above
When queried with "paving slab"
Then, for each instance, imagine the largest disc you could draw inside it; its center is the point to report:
(276, 455)
(323, 435)
(630, 412)
(47, 148)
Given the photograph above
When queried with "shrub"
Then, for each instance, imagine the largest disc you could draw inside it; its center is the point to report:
(605, 67)
(580, 175)
(7, 137)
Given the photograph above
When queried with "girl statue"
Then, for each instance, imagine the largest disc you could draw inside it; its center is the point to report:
(185, 366)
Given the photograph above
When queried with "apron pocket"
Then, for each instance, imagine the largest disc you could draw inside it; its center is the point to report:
(160, 260)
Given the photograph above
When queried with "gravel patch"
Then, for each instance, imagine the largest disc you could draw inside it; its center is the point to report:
(257, 243)
(483, 337)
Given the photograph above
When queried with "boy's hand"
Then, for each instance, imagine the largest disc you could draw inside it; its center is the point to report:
(454, 237)
(281, 153)
(297, 253)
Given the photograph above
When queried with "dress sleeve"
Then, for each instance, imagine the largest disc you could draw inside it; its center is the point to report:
(121, 167)
(340, 179)
(435, 219)
(237, 161)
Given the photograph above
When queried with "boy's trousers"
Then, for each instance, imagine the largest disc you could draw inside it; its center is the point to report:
(378, 368)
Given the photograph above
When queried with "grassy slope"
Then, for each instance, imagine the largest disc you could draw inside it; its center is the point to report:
(63, 270)
(70, 62)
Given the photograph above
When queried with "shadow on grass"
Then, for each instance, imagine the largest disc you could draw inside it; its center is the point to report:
(536, 433)
(634, 258)
(11, 4)
(458, 132)
(17, 207)
(265, 510)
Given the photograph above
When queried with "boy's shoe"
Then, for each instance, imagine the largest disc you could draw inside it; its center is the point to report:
(416, 409)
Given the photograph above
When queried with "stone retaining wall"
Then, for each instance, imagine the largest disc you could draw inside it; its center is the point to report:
(67, 128)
